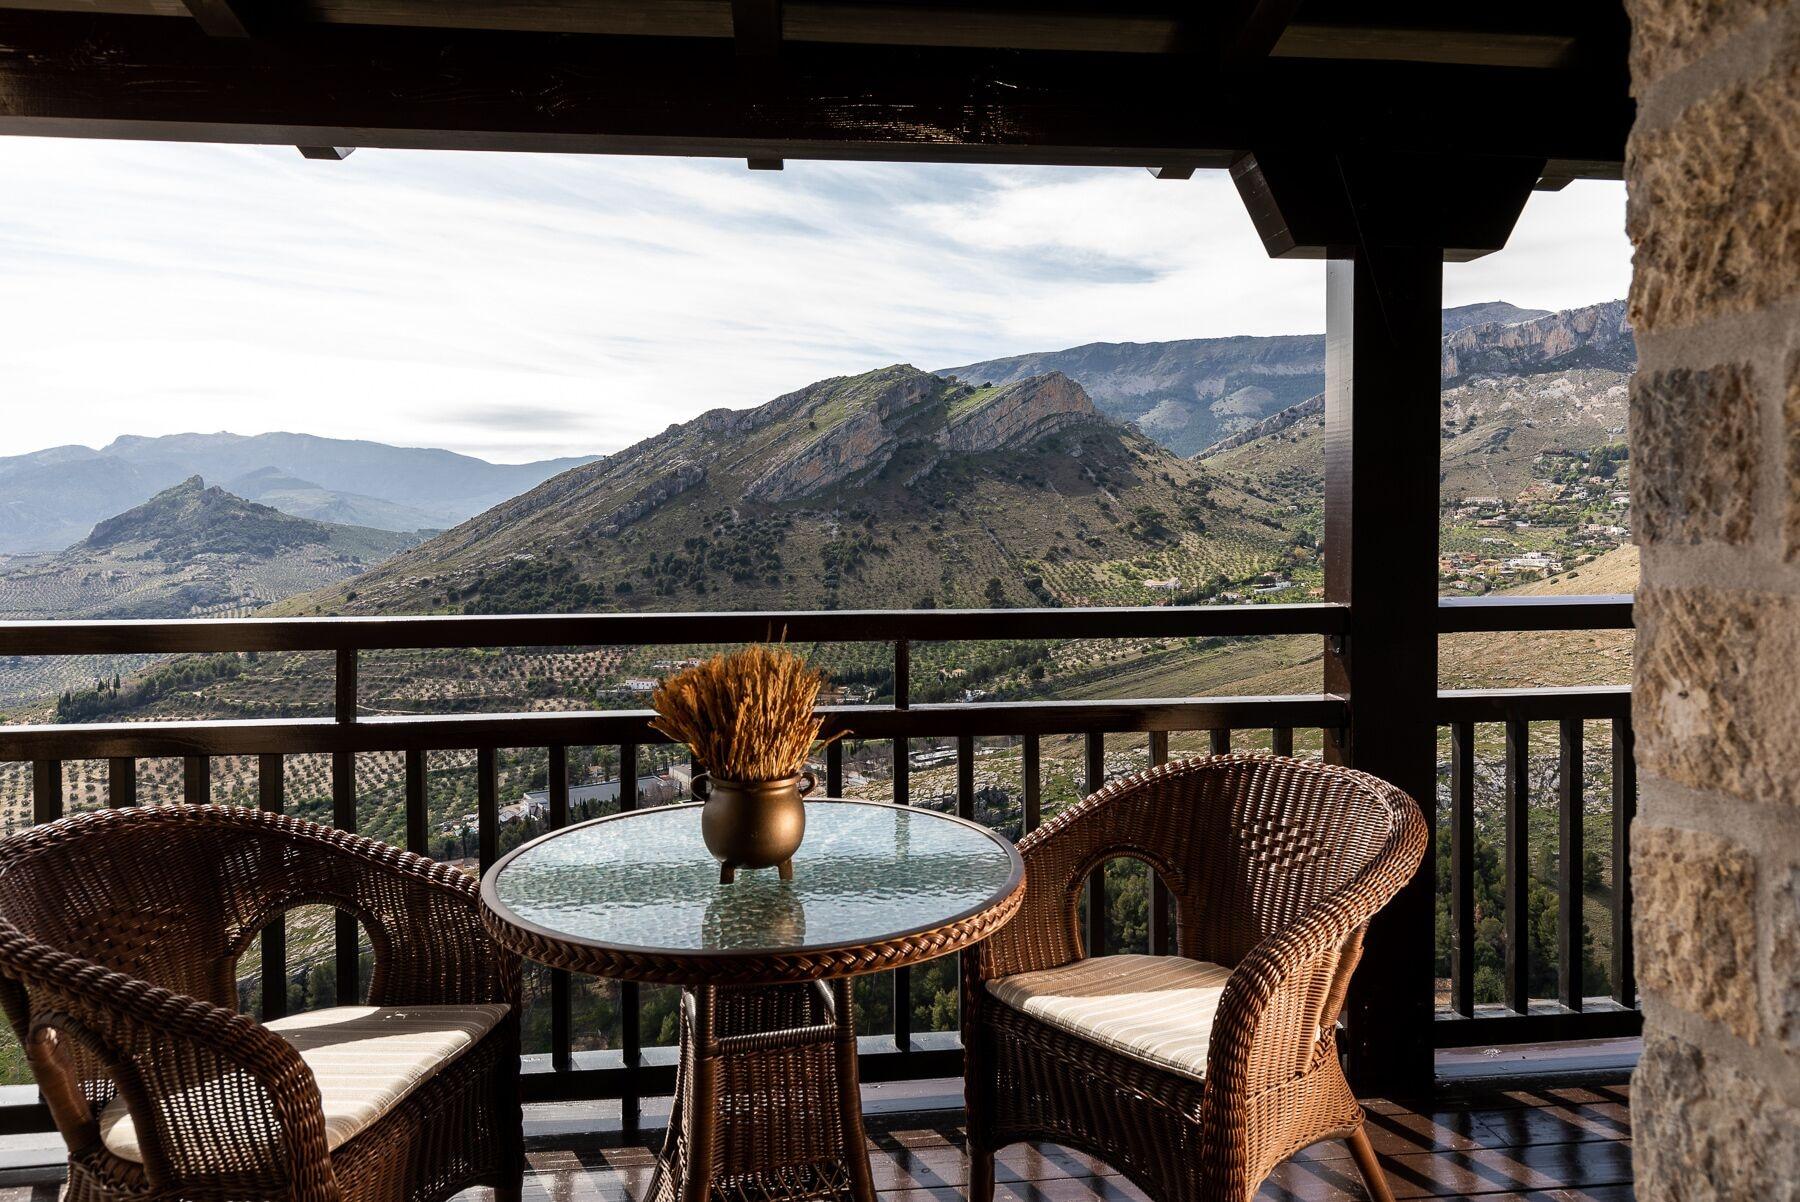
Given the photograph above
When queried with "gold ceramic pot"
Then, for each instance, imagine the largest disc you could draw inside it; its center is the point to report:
(754, 824)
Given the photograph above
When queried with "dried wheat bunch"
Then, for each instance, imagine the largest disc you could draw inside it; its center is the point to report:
(747, 715)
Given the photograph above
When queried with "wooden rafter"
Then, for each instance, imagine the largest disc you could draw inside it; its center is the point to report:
(146, 77)
(1245, 31)
(220, 18)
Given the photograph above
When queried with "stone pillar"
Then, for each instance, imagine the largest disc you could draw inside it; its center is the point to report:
(1714, 177)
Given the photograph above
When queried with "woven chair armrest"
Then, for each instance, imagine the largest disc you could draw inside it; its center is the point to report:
(1274, 1008)
(425, 922)
(1046, 932)
(216, 1099)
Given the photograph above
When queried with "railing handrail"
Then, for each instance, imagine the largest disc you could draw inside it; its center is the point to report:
(1583, 702)
(447, 631)
(296, 736)
(1480, 615)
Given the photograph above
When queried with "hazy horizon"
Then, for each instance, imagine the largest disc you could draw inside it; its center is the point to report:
(523, 307)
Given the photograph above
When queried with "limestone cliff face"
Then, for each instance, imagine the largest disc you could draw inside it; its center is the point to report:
(1017, 415)
(858, 433)
(1595, 336)
(856, 426)
(651, 496)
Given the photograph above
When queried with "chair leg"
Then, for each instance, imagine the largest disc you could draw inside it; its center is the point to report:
(1370, 1168)
(981, 1173)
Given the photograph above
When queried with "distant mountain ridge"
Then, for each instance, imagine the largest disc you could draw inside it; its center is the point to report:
(190, 549)
(1190, 394)
(894, 487)
(1596, 337)
(50, 499)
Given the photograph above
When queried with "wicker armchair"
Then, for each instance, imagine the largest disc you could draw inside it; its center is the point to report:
(120, 933)
(1195, 1076)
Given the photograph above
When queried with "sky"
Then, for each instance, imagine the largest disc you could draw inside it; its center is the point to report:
(526, 306)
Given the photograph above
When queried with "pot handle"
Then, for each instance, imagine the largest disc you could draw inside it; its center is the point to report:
(808, 782)
(701, 785)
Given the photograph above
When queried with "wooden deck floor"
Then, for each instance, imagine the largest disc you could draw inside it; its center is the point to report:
(1555, 1144)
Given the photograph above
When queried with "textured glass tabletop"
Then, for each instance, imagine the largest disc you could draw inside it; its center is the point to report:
(867, 872)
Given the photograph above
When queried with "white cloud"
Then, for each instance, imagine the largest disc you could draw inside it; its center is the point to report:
(518, 306)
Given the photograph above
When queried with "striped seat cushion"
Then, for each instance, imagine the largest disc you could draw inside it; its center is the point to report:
(1158, 1009)
(366, 1059)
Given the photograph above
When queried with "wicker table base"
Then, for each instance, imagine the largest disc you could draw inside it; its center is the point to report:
(768, 1103)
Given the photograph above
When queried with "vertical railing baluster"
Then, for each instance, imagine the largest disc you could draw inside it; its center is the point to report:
(902, 673)
(1158, 934)
(1518, 865)
(46, 790)
(196, 779)
(1462, 868)
(901, 978)
(344, 699)
(1096, 915)
(271, 793)
(343, 816)
(1221, 741)
(965, 776)
(487, 806)
(1624, 807)
(631, 1034)
(1033, 773)
(121, 782)
(418, 812)
(1569, 987)
(1281, 740)
(965, 808)
(561, 990)
(834, 769)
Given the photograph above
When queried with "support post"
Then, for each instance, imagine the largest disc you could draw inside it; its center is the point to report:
(1386, 225)
(1382, 349)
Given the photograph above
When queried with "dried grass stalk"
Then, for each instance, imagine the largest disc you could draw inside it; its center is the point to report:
(747, 715)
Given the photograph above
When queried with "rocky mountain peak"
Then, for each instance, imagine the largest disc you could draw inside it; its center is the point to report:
(1591, 336)
(191, 518)
(856, 425)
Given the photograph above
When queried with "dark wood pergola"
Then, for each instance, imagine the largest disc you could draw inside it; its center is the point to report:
(1384, 137)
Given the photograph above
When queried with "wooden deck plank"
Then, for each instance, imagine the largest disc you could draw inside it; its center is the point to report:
(1567, 1144)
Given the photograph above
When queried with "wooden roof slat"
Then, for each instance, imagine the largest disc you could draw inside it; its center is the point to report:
(1248, 31)
(84, 75)
(1478, 48)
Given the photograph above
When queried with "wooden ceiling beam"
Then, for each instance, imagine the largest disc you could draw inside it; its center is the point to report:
(126, 77)
(756, 27)
(1258, 29)
(1463, 47)
(1252, 30)
(220, 18)
(1312, 205)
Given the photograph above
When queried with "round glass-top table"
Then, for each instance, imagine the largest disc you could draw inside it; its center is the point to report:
(767, 1102)
(637, 896)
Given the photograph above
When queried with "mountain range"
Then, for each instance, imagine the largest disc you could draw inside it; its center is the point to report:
(1193, 393)
(893, 487)
(51, 499)
(1513, 394)
(187, 551)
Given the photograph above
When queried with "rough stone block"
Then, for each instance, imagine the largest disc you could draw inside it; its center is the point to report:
(1694, 920)
(1715, 203)
(1702, 1130)
(1783, 976)
(1791, 413)
(1668, 34)
(1693, 455)
(1715, 697)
